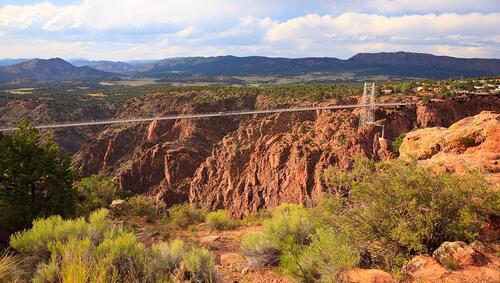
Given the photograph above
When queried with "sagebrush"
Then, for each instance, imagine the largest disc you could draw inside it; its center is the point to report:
(97, 251)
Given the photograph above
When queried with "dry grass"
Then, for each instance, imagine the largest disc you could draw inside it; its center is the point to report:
(9, 266)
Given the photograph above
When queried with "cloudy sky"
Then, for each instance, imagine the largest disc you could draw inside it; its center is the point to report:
(154, 29)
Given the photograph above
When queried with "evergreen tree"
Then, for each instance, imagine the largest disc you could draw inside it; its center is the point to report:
(34, 181)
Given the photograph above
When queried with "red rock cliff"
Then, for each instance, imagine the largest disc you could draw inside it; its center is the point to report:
(247, 163)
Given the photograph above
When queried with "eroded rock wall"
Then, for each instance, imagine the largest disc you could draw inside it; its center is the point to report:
(246, 163)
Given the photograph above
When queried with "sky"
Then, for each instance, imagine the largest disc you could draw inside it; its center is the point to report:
(156, 29)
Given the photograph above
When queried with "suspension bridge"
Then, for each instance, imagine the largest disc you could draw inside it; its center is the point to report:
(367, 115)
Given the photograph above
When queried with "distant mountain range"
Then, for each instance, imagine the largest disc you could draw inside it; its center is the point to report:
(55, 69)
(396, 64)
(8, 62)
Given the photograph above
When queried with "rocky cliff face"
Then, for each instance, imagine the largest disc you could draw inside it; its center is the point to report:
(473, 142)
(159, 158)
(247, 163)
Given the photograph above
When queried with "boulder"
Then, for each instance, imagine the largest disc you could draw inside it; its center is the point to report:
(454, 262)
(358, 275)
(231, 259)
(460, 254)
(147, 236)
(424, 267)
(209, 239)
(454, 253)
(119, 206)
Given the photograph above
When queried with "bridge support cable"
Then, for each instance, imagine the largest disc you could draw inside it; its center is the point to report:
(368, 105)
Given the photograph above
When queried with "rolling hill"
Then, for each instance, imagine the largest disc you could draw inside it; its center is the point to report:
(404, 64)
(424, 65)
(106, 66)
(52, 69)
(395, 64)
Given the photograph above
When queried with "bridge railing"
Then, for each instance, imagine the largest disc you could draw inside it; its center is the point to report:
(203, 115)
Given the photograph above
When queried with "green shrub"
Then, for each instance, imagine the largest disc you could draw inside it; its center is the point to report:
(326, 257)
(398, 209)
(46, 272)
(219, 220)
(290, 264)
(290, 225)
(200, 265)
(396, 144)
(145, 206)
(97, 251)
(289, 220)
(46, 231)
(124, 253)
(95, 192)
(259, 251)
(338, 181)
(452, 264)
(257, 217)
(54, 229)
(73, 261)
(168, 257)
(449, 94)
(426, 99)
(34, 181)
(184, 215)
(81, 251)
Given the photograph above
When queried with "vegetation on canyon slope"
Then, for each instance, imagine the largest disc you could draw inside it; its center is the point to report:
(34, 181)
(381, 215)
(376, 215)
(95, 250)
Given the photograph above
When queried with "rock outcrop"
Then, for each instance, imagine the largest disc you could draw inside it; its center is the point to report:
(358, 275)
(277, 159)
(159, 159)
(455, 262)
(247, 163)
(473, 142)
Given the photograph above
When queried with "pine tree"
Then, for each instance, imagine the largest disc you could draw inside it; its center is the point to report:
(34, 181)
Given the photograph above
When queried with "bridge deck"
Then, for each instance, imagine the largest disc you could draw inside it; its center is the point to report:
(203, 115)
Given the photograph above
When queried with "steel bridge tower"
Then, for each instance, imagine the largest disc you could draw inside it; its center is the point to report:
(367, 114)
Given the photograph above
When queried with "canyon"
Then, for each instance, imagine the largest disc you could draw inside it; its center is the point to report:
(249, 163)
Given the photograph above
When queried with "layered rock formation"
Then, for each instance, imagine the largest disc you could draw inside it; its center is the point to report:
(473, 142)
(247, 163)
(277, 159)
(159, 159)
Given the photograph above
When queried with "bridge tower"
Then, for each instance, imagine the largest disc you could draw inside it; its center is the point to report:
(367, 114)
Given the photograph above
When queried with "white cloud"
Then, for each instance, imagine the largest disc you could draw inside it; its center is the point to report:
(43, 15)
(124, 29)
(426, 6)
(405, 7)
(123, 14)
(186, 32)
(385, 33)
(415, 26)
(247, 25)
